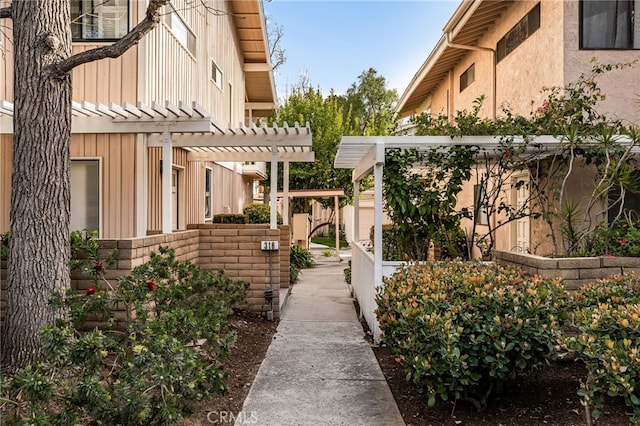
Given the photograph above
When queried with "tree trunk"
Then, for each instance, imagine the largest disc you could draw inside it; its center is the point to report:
(40, 194)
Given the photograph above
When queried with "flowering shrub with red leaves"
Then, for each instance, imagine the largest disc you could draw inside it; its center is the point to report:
(147, 367)
(607, 318)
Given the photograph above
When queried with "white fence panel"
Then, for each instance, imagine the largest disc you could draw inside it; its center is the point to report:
(365, 287)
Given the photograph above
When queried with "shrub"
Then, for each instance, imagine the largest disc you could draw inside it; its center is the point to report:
(166, 352)
(230, 218)
(259, 213)
(347, 275)
(460, 329)
(301, 258)
(392, 243)
(623, 239)
(608, 341)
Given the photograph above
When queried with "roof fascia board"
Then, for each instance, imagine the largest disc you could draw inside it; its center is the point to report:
(457, 21)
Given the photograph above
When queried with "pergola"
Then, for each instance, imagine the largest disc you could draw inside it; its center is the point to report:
(366, 155)
(314, 193)
(191, 127)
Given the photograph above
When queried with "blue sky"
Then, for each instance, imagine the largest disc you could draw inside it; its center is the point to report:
(334, 41)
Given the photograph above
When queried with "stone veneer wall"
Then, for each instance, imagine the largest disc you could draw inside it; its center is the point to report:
(575, 271)
(233, 248)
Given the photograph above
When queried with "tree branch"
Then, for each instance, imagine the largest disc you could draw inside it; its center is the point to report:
(119, 47)
(5, 12)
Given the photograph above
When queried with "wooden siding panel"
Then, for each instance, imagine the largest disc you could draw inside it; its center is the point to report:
(194, 180)
(154, 210)
(126, 212)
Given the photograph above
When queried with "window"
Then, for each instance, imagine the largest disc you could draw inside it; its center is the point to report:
(216, 74)
(467, 77)
(480, 205)
(85, 195)
(610, 24)
(519, 33)
(208, 176)
(99, 19)
(180, 31)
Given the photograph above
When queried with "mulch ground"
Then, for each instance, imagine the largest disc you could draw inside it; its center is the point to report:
(547, 397)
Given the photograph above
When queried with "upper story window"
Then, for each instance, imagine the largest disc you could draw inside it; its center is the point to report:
(99, 19)
(468, 77)
(216, 74)
(519, 33)
(609, 24)
(181, 31)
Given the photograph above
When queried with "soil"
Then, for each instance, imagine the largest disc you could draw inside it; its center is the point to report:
(254, 336)
(547, 397)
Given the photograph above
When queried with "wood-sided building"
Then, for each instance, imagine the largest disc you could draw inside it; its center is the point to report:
(164, 136)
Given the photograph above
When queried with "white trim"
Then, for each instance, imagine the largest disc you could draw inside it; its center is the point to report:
(100, 188)
(141, 176)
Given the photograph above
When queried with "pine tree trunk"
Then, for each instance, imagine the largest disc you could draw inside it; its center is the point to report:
(40, 195)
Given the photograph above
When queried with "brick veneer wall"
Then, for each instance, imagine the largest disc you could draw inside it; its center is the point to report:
(236, 250)
(575, 271)
(233, 248)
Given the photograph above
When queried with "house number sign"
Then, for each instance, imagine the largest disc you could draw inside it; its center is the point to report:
(269, 245)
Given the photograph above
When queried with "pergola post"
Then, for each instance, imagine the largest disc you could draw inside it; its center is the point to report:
(167, 171)
(378, 170)
(336, 203)
(273, 222)
(356, 210)
(285, 193)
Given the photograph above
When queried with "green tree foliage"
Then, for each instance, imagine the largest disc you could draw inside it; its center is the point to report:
(420, 190)
(367, 109)
(370, 106)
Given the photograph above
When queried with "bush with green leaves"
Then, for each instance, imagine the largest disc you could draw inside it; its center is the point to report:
(607, 315)
(461, 329)
(233, 218)
(622, 238)
(299, 258)
(163, 351)
(259, 213)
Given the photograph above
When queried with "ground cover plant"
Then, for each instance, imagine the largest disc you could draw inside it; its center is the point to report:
(607, 317)
(462, 329)
(299, 259)
(145, 366)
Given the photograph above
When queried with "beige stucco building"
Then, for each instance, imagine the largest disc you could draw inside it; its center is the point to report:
(508, 51)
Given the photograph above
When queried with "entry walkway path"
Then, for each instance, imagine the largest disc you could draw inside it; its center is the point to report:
(319, 370)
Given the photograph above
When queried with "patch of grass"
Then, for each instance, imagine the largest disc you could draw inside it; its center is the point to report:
(329, 242)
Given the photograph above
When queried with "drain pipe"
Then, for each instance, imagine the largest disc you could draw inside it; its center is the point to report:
(493, 65)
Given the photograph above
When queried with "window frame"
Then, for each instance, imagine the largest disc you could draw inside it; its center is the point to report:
(208, 195)
(182, 32)
(634, 28)
(99, 161)
(524, 28)
(81, 25)
(468, 77)
(216, 76)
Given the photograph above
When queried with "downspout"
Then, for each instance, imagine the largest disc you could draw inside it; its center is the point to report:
(493, 66)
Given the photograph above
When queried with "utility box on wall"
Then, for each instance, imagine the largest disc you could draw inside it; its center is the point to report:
(301, 230)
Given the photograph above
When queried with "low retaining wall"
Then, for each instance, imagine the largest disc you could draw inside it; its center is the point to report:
(233, 248)
(575, 271)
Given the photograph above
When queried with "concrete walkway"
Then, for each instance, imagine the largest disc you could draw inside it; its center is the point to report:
(319, 370)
